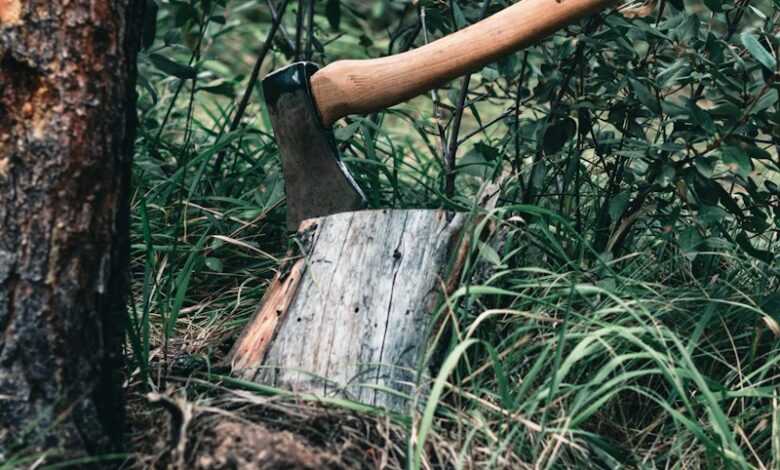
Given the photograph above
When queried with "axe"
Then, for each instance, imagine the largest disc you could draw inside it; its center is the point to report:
(304, 101)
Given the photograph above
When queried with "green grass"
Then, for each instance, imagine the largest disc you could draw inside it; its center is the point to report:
(550, 354)
(551, 358)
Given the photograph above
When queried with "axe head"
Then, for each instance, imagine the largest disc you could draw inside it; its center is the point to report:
(315, 179)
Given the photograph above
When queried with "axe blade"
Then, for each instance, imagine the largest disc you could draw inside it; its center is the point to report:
(316, 181)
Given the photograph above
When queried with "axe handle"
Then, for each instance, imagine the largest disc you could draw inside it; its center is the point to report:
(366, 86)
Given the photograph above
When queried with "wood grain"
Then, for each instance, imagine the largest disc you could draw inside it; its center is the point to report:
(366, 86)
(359, 316)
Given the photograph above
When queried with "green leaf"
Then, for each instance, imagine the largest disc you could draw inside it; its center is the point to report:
(506, 65)
(705, 166)
(745, 244)
(557, 134)
(728, 202)
(182, 285)
(175, 69)
(365, 41)
(172, 37)
(702, 118)
(673, 109)
(538, 172)
(690, 240)
(670, 75)
(343, 134)
(490, 74)
(146, 84)
(473, 163)
(711, 215)
(214, 264)
(185, 12)
(149, 28)
(726, 109)
(666, 176)
(618, 205)
(706, 190)
(754, 151)
(220, 87)
(489, 254)
(757, 50)
(714, 5)
(733, 155)
(770, 304)
(417, 445)
(644, 95)
(460, 19)
(756, 223)
(333, 14)
(488, 153)
(766, 101)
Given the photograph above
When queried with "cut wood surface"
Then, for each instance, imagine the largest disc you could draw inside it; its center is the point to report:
(351, 318)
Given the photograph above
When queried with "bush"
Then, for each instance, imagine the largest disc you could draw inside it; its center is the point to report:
(621, 307)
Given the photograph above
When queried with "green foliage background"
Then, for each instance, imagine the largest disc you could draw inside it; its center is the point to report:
(626, 284)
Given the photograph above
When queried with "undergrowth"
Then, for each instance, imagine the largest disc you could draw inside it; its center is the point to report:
(620, 309)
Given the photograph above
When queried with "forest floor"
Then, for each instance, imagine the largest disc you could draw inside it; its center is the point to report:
(559, 349)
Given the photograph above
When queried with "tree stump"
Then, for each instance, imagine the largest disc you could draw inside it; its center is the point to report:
(351, 317)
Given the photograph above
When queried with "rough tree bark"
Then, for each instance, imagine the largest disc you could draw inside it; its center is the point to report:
(67, 120)
(351, 317)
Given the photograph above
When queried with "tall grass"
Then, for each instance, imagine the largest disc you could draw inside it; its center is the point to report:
(613, 366)
(552, 353)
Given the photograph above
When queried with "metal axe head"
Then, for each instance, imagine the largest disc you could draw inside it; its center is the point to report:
(316, 181)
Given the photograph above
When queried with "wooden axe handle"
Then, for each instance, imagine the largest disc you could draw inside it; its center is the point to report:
(366, 86)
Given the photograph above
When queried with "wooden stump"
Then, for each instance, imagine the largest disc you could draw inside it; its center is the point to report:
(351, 317)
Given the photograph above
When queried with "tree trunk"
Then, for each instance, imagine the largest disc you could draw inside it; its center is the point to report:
(351, 317)
(67, 120)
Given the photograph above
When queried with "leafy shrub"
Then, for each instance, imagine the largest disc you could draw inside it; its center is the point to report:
(637, 155)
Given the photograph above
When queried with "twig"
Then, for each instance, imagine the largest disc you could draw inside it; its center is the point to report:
(253, 80)
(180, 85)
(310, 33)
(434, 95)
(452, 147)
(299, 30)
(538, 161)
(282, 30)
(402, 30)
(485, 126)
(518, 160)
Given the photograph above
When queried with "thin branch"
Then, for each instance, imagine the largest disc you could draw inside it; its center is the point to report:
(282, 30)
(277, 21)
(180, 85)
(401, 31)
(518, 160)
(452, 147)
(299, 30)
(434, 95)
(485, 126)
(538, 160)
(310, 32)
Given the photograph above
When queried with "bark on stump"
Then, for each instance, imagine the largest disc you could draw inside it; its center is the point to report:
(351, 317)
(67, 120)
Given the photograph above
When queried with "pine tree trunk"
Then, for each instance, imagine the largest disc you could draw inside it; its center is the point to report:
(67, 120)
